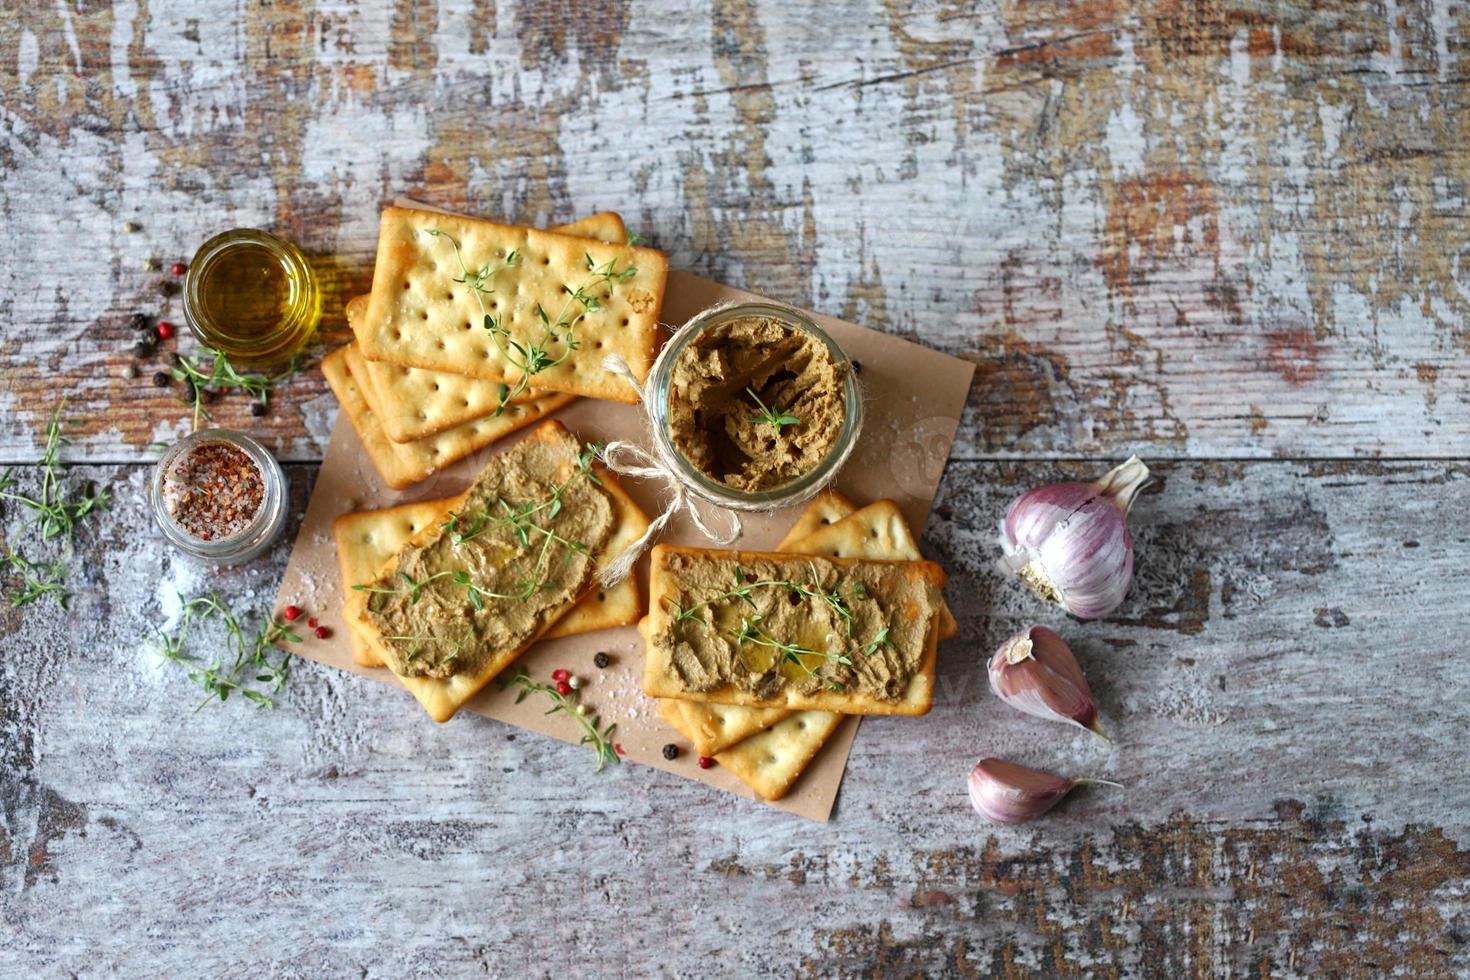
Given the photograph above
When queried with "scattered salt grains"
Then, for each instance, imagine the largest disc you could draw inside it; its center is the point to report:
(180, 582)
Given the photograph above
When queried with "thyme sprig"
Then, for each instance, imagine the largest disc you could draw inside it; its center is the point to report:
(521, 519)
(457, 646)
(774, 416)
(54, 515)
(533, 357)
(414, 588)
(878, 642)
(743, 590)
(216, 373)
(600, 740)
(37, 580)
(751, 632)
(247, 660)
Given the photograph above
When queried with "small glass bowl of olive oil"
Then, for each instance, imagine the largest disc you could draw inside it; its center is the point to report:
(253, 296)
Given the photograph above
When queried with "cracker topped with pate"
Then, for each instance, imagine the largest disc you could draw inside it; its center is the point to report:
(462, 598)
(855, 636)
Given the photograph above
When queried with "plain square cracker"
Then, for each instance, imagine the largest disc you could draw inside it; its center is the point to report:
(441, 698)
(419, 317)
(444, 400)
(366, 539)
(769, 762)
(402, 465)
(827, 507)
(657, 674)
(882, 526)
(713, 727)
(413, 403)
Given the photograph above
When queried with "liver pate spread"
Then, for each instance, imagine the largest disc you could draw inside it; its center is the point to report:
(517, 552)
(763, 624)
(755, 403)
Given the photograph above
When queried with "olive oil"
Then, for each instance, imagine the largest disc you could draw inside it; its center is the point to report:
(248, 290)
(253, 296)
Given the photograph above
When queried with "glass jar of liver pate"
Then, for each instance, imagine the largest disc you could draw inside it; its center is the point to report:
(219, 496)
(253, 296)
(755, 406)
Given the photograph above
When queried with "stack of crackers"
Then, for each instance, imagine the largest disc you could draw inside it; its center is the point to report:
(425, 383)
(768, 748)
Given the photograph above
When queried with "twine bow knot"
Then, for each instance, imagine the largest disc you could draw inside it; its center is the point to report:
(629, 459)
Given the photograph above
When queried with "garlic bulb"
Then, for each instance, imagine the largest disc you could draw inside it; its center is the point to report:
(1035, 672)
(1006, 793)
(1070, 541)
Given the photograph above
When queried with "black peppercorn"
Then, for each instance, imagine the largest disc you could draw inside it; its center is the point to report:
(142, 348)
(600, 659)
(161, 379)
(137, 321)
(257, 409)
(174, 360)
(167, 287)
(671, 751)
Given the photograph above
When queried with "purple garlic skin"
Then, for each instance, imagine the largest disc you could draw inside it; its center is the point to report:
(1070, 541)
(1035, 672)
(1006, 793)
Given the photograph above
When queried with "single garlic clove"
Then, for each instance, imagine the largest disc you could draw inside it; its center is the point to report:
(1035, 672)
(1006, 793)
(1070, 541)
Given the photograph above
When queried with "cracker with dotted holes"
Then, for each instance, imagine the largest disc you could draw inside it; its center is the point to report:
(766, 760)
(879, 530)
(915, 626)
(770, 761)
(412, 403)
(404, 464)
(712, 727)
(366, 539)
(419, 317)
(445, 400)
(827, 507)
(443, 697)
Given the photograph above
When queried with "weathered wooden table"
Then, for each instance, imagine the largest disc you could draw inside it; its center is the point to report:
(1228, 236)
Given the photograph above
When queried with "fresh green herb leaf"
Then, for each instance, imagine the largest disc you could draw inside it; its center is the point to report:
(245, 656)
(600, 739)
(774, 417)
(37, 580)
(214, 372)
(533, 357)
(55, 516)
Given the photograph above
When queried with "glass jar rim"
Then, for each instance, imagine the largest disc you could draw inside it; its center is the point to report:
(804, 485)
(252, 538)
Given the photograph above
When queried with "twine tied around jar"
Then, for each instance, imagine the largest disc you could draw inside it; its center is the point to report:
(630, 459)
(659, 463)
